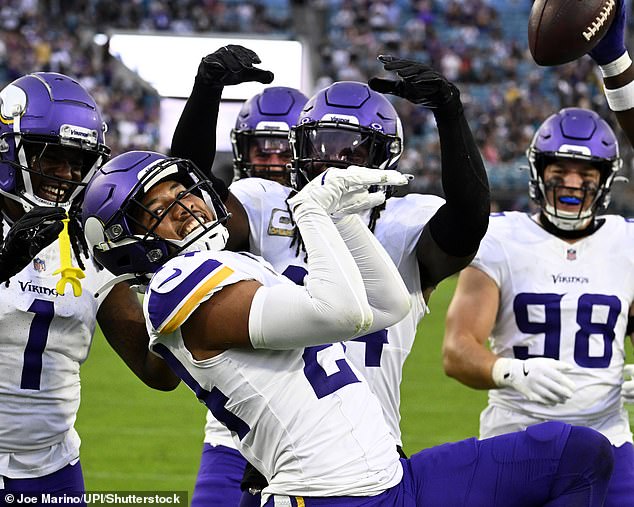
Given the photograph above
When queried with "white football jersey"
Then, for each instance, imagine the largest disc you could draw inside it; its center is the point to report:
(564, 301)
(379, 356)
(45, 337)
(304, 418)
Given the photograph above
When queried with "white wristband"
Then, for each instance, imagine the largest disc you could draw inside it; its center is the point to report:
(618, 66)
(620, 99)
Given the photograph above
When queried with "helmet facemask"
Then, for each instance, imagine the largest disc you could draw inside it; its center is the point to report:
(259, 138)
(39, 182)
(578, 135)
(142, 234)
(262, 154)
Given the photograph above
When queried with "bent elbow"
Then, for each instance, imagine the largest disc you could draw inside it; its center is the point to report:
(449, 363)
(449, 369)
(163, 386)
(395, 309)
(355, 320)
(159, 376)
(346, 320)
(403, 308)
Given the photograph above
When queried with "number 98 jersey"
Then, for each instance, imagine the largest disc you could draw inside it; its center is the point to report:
(566, 301)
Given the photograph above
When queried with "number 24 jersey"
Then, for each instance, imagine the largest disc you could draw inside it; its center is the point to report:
(304, 417)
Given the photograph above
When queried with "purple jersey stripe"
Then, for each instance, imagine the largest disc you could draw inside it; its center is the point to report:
(162, 305)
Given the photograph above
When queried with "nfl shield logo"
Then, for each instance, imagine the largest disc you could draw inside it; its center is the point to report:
(571, 254)
(39, 264)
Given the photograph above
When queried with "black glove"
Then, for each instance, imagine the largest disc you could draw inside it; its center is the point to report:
(418, 83)
(231, 65)
(34, 231)
(252, 480)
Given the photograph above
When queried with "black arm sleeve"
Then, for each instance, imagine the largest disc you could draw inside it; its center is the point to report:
(195, 134)
(453, 234)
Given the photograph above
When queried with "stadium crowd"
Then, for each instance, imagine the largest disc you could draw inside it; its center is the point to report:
(480, 44)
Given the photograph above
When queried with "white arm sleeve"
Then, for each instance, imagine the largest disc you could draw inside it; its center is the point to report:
(387, 294)
(332, 306)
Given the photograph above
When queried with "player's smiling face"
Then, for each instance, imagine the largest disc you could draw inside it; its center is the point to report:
(55, 171)
(174, 212)
(571, 185)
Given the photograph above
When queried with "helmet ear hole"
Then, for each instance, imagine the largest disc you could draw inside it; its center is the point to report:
(533, 192)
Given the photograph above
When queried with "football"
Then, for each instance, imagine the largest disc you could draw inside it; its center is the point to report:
(560, 31)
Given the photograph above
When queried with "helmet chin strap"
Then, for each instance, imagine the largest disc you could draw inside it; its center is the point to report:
(215, 239)
(567, 221)
(549, 225)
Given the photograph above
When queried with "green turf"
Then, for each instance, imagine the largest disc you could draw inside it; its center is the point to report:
(434, 407)
(135, 438)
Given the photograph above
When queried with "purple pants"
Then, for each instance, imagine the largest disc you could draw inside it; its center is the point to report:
(68, 482)
(621, 487)
(549, 465)
(219, 476)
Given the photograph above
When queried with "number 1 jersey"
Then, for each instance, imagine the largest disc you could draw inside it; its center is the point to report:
(44, 338)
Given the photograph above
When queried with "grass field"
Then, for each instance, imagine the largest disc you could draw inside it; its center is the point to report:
(137, 439)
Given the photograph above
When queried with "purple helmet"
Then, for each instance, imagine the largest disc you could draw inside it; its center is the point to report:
(41, 114)
(263, 123)
(578, 134)
(112, 206)
(346, 123)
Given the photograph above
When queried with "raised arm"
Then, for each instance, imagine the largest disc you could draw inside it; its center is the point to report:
(450, 239)
(331, 306)
(384, 287)
(617, 70)
(195, 134)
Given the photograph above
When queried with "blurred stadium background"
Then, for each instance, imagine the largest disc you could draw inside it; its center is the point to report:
(479, 44)
(136, 439)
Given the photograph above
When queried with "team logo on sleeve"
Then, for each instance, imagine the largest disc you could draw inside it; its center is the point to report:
(281, 223)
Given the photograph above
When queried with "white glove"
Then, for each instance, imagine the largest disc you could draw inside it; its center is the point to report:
(627, 389)
(356, 201)
(539, 379)
(345, 191)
